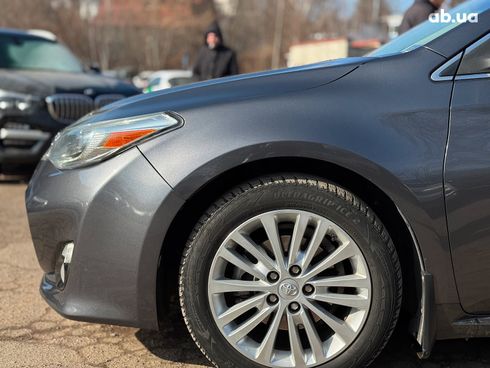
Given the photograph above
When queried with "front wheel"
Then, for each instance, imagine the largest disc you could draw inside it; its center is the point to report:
(290, 272)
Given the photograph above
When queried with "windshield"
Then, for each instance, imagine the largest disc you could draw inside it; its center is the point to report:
(21, 52)
(429, 31)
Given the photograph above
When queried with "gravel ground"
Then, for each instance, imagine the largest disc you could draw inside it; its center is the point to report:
(32, 335)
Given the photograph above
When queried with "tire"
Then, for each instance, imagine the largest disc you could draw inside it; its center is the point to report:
(354, 231)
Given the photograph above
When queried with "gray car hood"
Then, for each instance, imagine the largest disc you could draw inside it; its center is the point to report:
(231, 89)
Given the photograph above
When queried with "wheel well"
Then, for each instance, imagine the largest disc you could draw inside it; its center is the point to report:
(383, 206)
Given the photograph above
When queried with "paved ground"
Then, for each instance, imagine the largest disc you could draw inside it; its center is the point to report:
(32, 335)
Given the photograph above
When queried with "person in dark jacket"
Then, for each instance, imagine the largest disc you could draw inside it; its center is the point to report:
(419, 12)
(215, 60)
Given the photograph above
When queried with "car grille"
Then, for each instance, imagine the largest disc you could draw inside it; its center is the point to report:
(69, 107)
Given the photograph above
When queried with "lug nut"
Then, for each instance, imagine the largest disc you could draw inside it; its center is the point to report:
(294, 307)
(273, 276)
(272, 299)
(295, 270)
(308, 289)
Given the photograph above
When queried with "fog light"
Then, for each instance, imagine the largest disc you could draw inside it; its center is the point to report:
(65, 262)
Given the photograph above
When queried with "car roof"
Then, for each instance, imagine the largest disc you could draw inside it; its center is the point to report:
(39, 34)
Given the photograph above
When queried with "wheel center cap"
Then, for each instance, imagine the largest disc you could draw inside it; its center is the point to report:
(288, 289)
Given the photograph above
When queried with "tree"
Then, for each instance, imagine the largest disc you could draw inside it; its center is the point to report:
(367, 18)
(156, 34)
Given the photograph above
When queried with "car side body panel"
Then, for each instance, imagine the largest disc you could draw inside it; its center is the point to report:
(467, 188)
(387, 126)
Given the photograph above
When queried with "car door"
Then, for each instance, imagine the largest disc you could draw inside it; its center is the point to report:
(467, 178)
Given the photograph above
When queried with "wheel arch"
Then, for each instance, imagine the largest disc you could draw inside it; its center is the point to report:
(417, 282)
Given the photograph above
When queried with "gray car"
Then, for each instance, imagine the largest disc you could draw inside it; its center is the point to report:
(293, 214)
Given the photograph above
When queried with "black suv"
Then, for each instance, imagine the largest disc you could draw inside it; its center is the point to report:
(43, 88)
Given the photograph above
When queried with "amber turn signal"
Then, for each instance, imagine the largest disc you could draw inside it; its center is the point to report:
(119, 139)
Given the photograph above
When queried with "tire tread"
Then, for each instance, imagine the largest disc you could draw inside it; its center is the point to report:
(320, 184)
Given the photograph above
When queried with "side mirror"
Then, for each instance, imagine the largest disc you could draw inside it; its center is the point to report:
(95, 67)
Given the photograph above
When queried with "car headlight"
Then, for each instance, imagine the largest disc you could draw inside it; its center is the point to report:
(85, 143)
(16, 103)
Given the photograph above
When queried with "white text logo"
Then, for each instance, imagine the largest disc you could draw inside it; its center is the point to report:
(444, 17)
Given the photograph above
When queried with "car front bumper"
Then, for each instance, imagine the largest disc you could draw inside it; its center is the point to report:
(116, 213)
(23, 141)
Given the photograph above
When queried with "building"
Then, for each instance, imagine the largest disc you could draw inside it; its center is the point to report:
(317, 50)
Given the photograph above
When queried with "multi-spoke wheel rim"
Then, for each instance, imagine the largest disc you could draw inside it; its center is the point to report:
(289, 288)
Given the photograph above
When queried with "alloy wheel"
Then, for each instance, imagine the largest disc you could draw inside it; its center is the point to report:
(289, 288)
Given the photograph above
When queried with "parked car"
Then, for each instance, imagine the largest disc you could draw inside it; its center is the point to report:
(43, 88)
(167, 79)
(292, 213)
(140, 80)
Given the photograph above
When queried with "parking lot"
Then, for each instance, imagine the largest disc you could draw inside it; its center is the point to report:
(32, 335)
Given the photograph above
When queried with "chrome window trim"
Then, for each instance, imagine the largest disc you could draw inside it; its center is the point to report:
(436, 76)
(472, 76)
